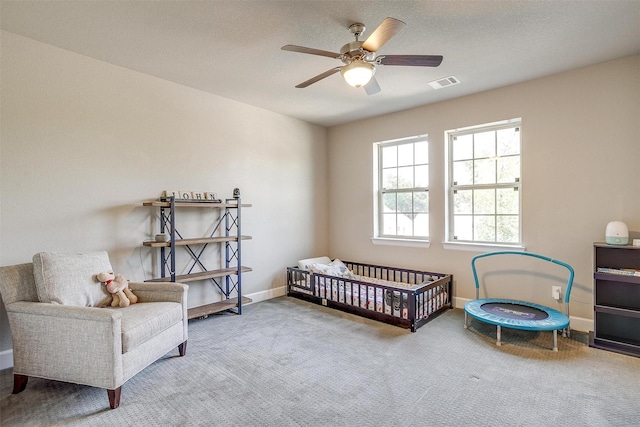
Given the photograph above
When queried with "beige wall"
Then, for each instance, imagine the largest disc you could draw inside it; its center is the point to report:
(580, 170)
(84, 143)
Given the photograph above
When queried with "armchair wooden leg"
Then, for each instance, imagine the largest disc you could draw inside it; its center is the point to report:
(114, 397)
(182, 348)
(19, 383)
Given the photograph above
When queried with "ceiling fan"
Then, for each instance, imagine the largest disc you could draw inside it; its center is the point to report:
(360, 57)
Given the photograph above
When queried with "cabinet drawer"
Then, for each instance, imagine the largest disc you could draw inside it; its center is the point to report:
(617, 328)
(617, 294)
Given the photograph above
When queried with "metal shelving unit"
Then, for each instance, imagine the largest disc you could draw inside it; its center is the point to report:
(226, 230)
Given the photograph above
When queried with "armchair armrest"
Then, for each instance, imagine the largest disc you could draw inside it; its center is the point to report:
(67, 343)
(63, 311)
(160, 292)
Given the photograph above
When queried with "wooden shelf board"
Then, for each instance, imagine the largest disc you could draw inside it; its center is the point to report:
(216, 307)
(616, 277)
(618, 311)
(203, 204)
(204, 275)
(197, 241)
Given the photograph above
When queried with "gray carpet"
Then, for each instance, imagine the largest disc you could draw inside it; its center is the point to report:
(286, 362)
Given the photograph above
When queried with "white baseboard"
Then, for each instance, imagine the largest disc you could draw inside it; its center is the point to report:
(268, 294)
(6, 359)
(459, 302)
(581, 324)
(577, 323)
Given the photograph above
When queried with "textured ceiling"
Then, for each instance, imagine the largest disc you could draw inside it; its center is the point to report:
(232, 48)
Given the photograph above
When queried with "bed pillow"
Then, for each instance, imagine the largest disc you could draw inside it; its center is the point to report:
(68, 278)
(305, 263)
(334, 268)
(327, 269)
(340, 267)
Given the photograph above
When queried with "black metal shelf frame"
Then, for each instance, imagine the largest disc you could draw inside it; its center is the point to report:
(230, 220)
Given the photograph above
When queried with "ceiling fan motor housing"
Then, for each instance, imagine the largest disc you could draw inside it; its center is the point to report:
(351, 51)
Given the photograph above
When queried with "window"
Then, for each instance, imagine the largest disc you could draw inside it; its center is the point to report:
(402, 189)
(484, 184)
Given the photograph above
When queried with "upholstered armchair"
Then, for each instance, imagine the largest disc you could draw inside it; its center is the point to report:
(62, 330)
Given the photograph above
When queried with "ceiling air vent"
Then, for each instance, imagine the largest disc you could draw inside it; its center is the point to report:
(447, 81)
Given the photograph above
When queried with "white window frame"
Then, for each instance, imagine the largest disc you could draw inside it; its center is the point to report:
(379, 237)
(474, 245)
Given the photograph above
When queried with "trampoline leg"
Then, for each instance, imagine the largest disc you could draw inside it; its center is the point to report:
(499, 335)
(555, 340)
(465, 320)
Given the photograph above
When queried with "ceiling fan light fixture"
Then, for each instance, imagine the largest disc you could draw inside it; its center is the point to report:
(358, 73)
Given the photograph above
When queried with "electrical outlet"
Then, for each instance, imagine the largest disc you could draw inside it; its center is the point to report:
(555, 292)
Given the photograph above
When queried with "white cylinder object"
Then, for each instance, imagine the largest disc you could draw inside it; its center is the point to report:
(617, 233)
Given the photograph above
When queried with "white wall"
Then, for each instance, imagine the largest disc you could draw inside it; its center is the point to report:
(580, 170)
(84, 143)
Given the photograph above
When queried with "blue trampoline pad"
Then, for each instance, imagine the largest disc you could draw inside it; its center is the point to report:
(516, 314)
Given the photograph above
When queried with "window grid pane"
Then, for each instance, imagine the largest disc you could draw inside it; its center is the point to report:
(484, 171)
(421, 176)
(389, 157)
(404, 189)
(421, 153)
(390, 178)
(421, 202)
(405, 177)
(484, 196)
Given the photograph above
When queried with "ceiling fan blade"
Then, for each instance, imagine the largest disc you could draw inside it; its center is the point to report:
(410, 60)
(310, 51)
(318, 77)
(389, 28)
(372, 87)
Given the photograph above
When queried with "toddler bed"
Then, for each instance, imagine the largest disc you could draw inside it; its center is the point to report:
(400, 297)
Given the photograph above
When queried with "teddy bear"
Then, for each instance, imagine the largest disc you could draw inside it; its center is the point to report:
(118, 287)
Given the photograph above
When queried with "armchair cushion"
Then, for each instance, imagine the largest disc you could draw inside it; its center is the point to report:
(68, 278)
(142, 322)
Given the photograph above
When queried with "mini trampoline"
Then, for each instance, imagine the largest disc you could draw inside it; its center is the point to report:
(517, 314)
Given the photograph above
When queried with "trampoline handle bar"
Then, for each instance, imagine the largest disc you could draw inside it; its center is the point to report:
(529, 254)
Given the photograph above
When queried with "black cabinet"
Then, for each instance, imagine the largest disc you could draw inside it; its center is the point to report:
(616, 293)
